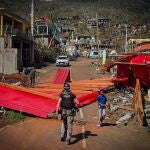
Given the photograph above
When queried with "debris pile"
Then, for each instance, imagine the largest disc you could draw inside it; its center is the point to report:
(147, 110)
(2, 112)
(15, 79)
(120, 107)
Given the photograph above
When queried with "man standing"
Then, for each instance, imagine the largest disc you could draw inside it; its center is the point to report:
(67, 105)
(101, 107)
(32, 75)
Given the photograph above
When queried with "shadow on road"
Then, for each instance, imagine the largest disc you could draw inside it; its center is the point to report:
(109, 124)
(81, 136)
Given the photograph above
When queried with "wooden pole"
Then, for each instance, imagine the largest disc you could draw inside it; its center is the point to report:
(97, 32)
(148, 94)
(1, 25)
(138, 106)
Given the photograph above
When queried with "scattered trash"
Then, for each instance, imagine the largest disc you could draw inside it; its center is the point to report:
(116, 100)
(124, 119)
(2, 111)
(126, 102)
(120, 106)
(147, 114)
(113, 108)
(14, 79)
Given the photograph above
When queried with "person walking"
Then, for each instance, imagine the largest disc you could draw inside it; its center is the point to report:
(67, 106)
(97, 69)
(32, 76)
(101, 99)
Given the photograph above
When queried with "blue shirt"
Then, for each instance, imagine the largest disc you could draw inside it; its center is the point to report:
(102, 99)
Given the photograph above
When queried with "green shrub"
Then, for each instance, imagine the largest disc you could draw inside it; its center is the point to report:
(13, 115)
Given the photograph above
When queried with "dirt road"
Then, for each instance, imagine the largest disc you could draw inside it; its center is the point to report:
(43, 134)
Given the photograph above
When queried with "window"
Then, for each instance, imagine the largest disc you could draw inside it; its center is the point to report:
(42, 29)
(95, 53)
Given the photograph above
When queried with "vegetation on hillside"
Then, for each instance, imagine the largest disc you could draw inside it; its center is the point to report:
(135, 12)
(119, 11)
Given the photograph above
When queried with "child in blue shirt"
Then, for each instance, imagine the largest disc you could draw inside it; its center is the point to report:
(101, 99)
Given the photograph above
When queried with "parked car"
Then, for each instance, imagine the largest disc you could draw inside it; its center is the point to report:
(94, 54)
(62, 60)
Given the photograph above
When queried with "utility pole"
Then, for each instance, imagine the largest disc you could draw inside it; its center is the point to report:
(32, 17)
(126, 39)
(32, 30)
(97, 32)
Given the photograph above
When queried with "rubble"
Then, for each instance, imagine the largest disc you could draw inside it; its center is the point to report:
(113, 108)
(120, 106)
(2, 112)
(147, 112)
(14, 79)
(124, 119)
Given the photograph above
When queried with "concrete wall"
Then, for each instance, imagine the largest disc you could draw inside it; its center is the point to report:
(8, 61)
(43, 41)
(1, 43)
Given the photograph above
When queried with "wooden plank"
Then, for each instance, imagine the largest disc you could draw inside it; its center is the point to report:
(95, 80)
(122, 107)
(138, 106)
(59, 90)
(126, 108)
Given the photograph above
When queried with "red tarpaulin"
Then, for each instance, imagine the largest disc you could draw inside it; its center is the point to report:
(61, 76)
(138, 66)
(122, 70)
(142, 73)
(35, 104)
(140, 59)
(26, 102)
(88, 98)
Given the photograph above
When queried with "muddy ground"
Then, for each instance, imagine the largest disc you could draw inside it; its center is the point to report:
(43, 134)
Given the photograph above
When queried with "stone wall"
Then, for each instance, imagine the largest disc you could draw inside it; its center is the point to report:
(8, 61)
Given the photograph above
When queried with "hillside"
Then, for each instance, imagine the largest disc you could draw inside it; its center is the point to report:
(119, 11)
(135, 13)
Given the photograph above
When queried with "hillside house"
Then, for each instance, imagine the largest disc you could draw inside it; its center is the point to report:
(47, 32)
(92, 23)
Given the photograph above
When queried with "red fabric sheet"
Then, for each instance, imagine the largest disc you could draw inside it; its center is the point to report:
(141, 70)
(26, 102)
(143, 73)
(121, 59)
(61, 76)
(137, 67)
(35, 104)
(88, 98)
(122, 70)
(140, 59)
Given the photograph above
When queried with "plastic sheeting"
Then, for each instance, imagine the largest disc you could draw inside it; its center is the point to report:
(26, 102)
(136, 66)
(35, 104)
(140, 59)
(61, 76)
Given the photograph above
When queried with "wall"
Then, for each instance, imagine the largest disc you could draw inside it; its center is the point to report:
(8, 61)
(2, 43)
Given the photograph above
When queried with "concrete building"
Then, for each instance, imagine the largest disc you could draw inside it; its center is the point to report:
(92, 23)
(46, 32)
(16, 46)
